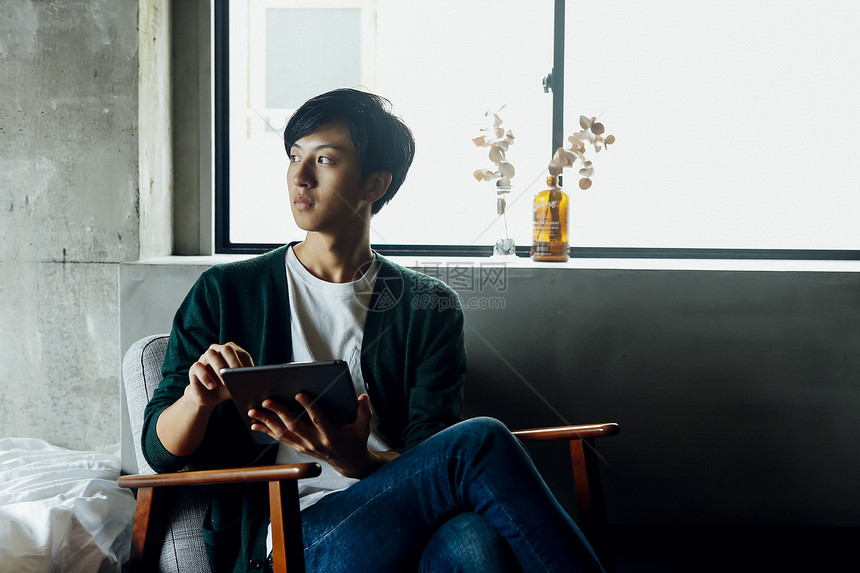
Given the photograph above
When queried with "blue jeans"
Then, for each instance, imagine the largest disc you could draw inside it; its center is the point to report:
(469, 498)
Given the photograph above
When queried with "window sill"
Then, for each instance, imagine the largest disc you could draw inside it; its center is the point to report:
(574, 263)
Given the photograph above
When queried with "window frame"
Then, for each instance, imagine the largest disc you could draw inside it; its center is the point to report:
(553, 82)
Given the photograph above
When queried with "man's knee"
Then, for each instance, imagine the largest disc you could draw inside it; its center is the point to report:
(482, 430)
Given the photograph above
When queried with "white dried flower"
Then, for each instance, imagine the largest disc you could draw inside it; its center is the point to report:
(499, 141)
(591, 132)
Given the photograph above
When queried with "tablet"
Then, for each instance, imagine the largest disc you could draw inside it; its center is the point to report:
(328, 382)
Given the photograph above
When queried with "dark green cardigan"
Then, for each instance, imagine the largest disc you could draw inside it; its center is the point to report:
(413, 362)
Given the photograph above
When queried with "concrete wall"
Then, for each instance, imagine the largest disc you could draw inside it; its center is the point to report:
(738, 392)
(68, 213)
(155, 129)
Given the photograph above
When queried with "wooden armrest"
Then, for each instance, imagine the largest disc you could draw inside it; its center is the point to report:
(233, 475)
(568, 432)
(283, 504)
(586, 478)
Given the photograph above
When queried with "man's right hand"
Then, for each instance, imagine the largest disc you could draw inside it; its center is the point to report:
(206, 388)
(182, 425)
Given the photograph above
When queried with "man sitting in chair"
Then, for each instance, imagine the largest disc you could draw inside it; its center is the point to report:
(408, 485)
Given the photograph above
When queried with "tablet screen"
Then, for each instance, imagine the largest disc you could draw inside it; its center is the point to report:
(329, 383)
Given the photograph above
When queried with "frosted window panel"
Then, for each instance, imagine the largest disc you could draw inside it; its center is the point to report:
(299, 65)
(737, 123)
(283, 52)
(444, 65)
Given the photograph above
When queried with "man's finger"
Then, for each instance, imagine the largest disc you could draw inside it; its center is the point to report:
(202, 373)
(283, 428)
(365, 412)
(215, 359)
(284, 415)
(315, 413)
(231, 356)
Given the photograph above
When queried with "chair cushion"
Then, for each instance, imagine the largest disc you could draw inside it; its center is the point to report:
(141, 374)
(183, 549)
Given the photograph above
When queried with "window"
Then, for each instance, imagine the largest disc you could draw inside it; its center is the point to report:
(735, 121)
(278, 59)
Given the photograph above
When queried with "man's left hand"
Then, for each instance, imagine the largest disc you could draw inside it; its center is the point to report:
(310, 432)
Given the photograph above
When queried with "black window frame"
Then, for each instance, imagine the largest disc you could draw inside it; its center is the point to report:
(554, 82)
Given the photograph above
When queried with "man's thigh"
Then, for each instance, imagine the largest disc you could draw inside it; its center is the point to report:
(387, 518)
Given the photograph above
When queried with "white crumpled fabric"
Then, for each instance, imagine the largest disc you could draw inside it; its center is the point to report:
(61, 510)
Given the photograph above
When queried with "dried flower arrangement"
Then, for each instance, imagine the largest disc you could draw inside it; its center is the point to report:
(591, 132)
(499, 141)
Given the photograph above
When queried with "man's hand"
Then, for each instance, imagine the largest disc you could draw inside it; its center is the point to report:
(310, 432)
(206, 387)
(182, 425)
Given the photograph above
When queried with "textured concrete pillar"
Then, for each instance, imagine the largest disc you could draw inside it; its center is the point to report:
(68, 213)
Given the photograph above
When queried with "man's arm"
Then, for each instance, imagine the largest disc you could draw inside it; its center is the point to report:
(181, 426)
(435, 399)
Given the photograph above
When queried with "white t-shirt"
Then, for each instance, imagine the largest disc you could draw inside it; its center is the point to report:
(327, 323)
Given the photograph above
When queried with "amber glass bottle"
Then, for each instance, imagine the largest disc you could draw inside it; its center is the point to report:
(550, 241)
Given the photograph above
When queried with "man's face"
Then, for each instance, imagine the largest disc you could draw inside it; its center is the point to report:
(327, 191)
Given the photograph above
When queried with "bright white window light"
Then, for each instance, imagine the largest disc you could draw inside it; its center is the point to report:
(736, 123)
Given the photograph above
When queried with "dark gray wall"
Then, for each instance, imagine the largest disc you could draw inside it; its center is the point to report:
(738, 393)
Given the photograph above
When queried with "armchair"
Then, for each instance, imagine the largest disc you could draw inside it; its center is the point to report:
(170, 510)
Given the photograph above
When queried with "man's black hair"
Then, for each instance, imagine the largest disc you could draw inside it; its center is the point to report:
(383, 142)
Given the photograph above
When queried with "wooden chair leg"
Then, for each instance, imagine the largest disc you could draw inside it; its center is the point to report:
(589, 499)
(147, 530)
(288, 553)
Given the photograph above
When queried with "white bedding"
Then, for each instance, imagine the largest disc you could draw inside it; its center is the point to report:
(61, 510)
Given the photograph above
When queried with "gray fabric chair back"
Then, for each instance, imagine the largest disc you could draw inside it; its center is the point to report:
(183, 549)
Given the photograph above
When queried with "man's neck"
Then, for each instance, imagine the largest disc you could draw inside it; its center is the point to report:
(331, 260)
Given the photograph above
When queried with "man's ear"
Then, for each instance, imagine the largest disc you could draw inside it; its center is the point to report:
(378, 185)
